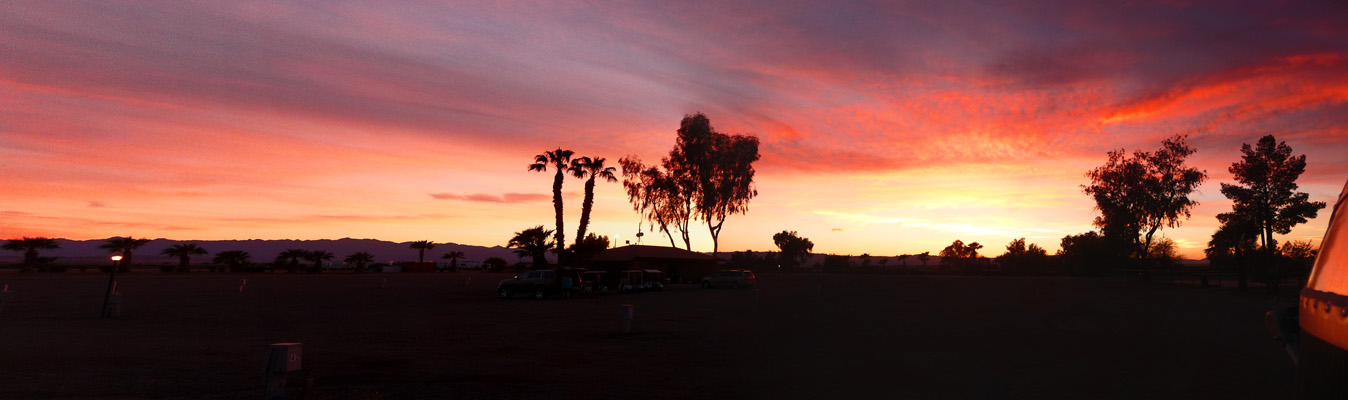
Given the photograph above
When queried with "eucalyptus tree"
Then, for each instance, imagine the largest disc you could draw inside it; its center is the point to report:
(1139, 195)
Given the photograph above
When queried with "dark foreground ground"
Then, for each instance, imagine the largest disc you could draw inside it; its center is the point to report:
(430, 336)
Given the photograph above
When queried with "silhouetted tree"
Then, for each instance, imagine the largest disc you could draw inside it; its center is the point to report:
(317, 257)
(559, 160)
(184, 252)
(290, 260)
(661, 197)
(903, 261)
(1266, 196)
(234, 259)
(836, 263)
(794, 249)
(923, 258)
(1088, 253)
(1021, 258)
(721, 168)
(31, 248)
(585, 249)
(125, 246)
(359, 260)
(592, 168)
(960, 255)
(533, 243)
(1299, 255)
(453, 258)
(1138, 195)
(1165, 252)
(494, 264)
(865, 260)
(421, 246)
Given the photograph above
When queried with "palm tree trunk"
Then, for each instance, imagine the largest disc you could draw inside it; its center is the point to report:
(560, 236)
(183, 261)
(421, 255)
(585, 209)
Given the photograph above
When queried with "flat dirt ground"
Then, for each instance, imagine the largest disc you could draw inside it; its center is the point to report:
(434, 336)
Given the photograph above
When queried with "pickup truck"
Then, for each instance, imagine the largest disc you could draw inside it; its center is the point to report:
(539, 284)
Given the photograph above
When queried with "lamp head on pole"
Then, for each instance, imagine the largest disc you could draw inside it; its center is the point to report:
(117, 257)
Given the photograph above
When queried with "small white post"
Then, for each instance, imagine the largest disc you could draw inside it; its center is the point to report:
(625, 313)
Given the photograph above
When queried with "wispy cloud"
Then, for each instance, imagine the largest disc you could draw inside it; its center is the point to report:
(488, 198)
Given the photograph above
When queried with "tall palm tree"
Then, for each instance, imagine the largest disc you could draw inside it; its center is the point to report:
(593, 168)
(533, 243)
(560, 160)
(30, 246)
(422, 246)
(184, 252)
(290, 259)
(235, 259)
(453, 258)
(124, 245)
(360, 260)
(317, 257)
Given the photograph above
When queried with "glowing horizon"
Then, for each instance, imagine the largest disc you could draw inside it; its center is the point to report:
(886, 129)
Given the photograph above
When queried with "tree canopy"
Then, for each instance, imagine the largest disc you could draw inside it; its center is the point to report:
(1138, 195)
(1266, 199)
(532, 243)
(708, 176)
(794, 249)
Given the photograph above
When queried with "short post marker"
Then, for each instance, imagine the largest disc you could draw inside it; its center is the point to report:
(625, 313)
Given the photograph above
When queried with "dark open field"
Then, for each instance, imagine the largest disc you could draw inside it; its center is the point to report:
(429, 336)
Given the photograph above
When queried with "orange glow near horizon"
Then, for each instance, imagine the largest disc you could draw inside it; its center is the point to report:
(890, 130)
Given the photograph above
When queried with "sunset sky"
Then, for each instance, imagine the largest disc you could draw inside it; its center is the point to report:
(887, 128)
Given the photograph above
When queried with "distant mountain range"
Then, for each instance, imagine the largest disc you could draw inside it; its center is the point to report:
(87, 251)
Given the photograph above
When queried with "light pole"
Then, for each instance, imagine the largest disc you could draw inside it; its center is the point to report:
(112, 282)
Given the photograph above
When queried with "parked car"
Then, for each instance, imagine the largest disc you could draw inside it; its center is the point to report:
(733, 278)
(539, 284)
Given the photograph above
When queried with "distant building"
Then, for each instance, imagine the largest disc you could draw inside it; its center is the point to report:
(678, 264)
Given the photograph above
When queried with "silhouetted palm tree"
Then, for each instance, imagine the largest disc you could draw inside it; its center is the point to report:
(184, 252)
(593, 168)
(317, 257)
(422, 246)
(903, 259)
(360, 260)
(559, 159)
(533, 243)
(290, 259)
(124, 245)
(453, 258)
(235, 259)
(30, 246)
